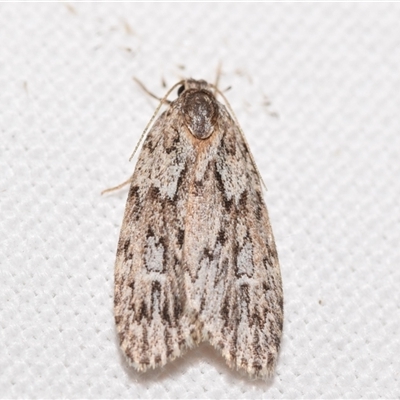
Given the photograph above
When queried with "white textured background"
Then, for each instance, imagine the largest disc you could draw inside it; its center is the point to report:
(70, 115)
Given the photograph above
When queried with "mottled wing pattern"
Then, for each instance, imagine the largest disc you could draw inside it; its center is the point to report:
(149, 294)
(233, 280)
(196, 258)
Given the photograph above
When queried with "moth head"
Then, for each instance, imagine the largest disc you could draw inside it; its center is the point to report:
(199, 108)
(193, 84)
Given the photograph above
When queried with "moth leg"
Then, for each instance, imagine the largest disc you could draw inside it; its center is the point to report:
(120, 186)
(150, 93)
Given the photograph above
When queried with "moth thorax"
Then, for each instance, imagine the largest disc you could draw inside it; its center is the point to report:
(201, 113)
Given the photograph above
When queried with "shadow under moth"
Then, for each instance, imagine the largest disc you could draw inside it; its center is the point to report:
(196, 258)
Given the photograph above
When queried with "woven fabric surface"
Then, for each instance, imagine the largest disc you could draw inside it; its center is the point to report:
(316, 88)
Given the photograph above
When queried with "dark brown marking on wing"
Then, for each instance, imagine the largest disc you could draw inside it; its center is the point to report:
(220, 185)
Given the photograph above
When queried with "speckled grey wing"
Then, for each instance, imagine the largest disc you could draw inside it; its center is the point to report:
(149, 298)
(234, 282)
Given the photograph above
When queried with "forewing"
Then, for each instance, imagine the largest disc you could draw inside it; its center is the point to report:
(149, 297)
(233, 281)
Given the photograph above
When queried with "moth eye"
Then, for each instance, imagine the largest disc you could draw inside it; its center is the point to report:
(181, 89)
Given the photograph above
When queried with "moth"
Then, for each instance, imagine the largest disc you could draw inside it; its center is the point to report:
(196, 258)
